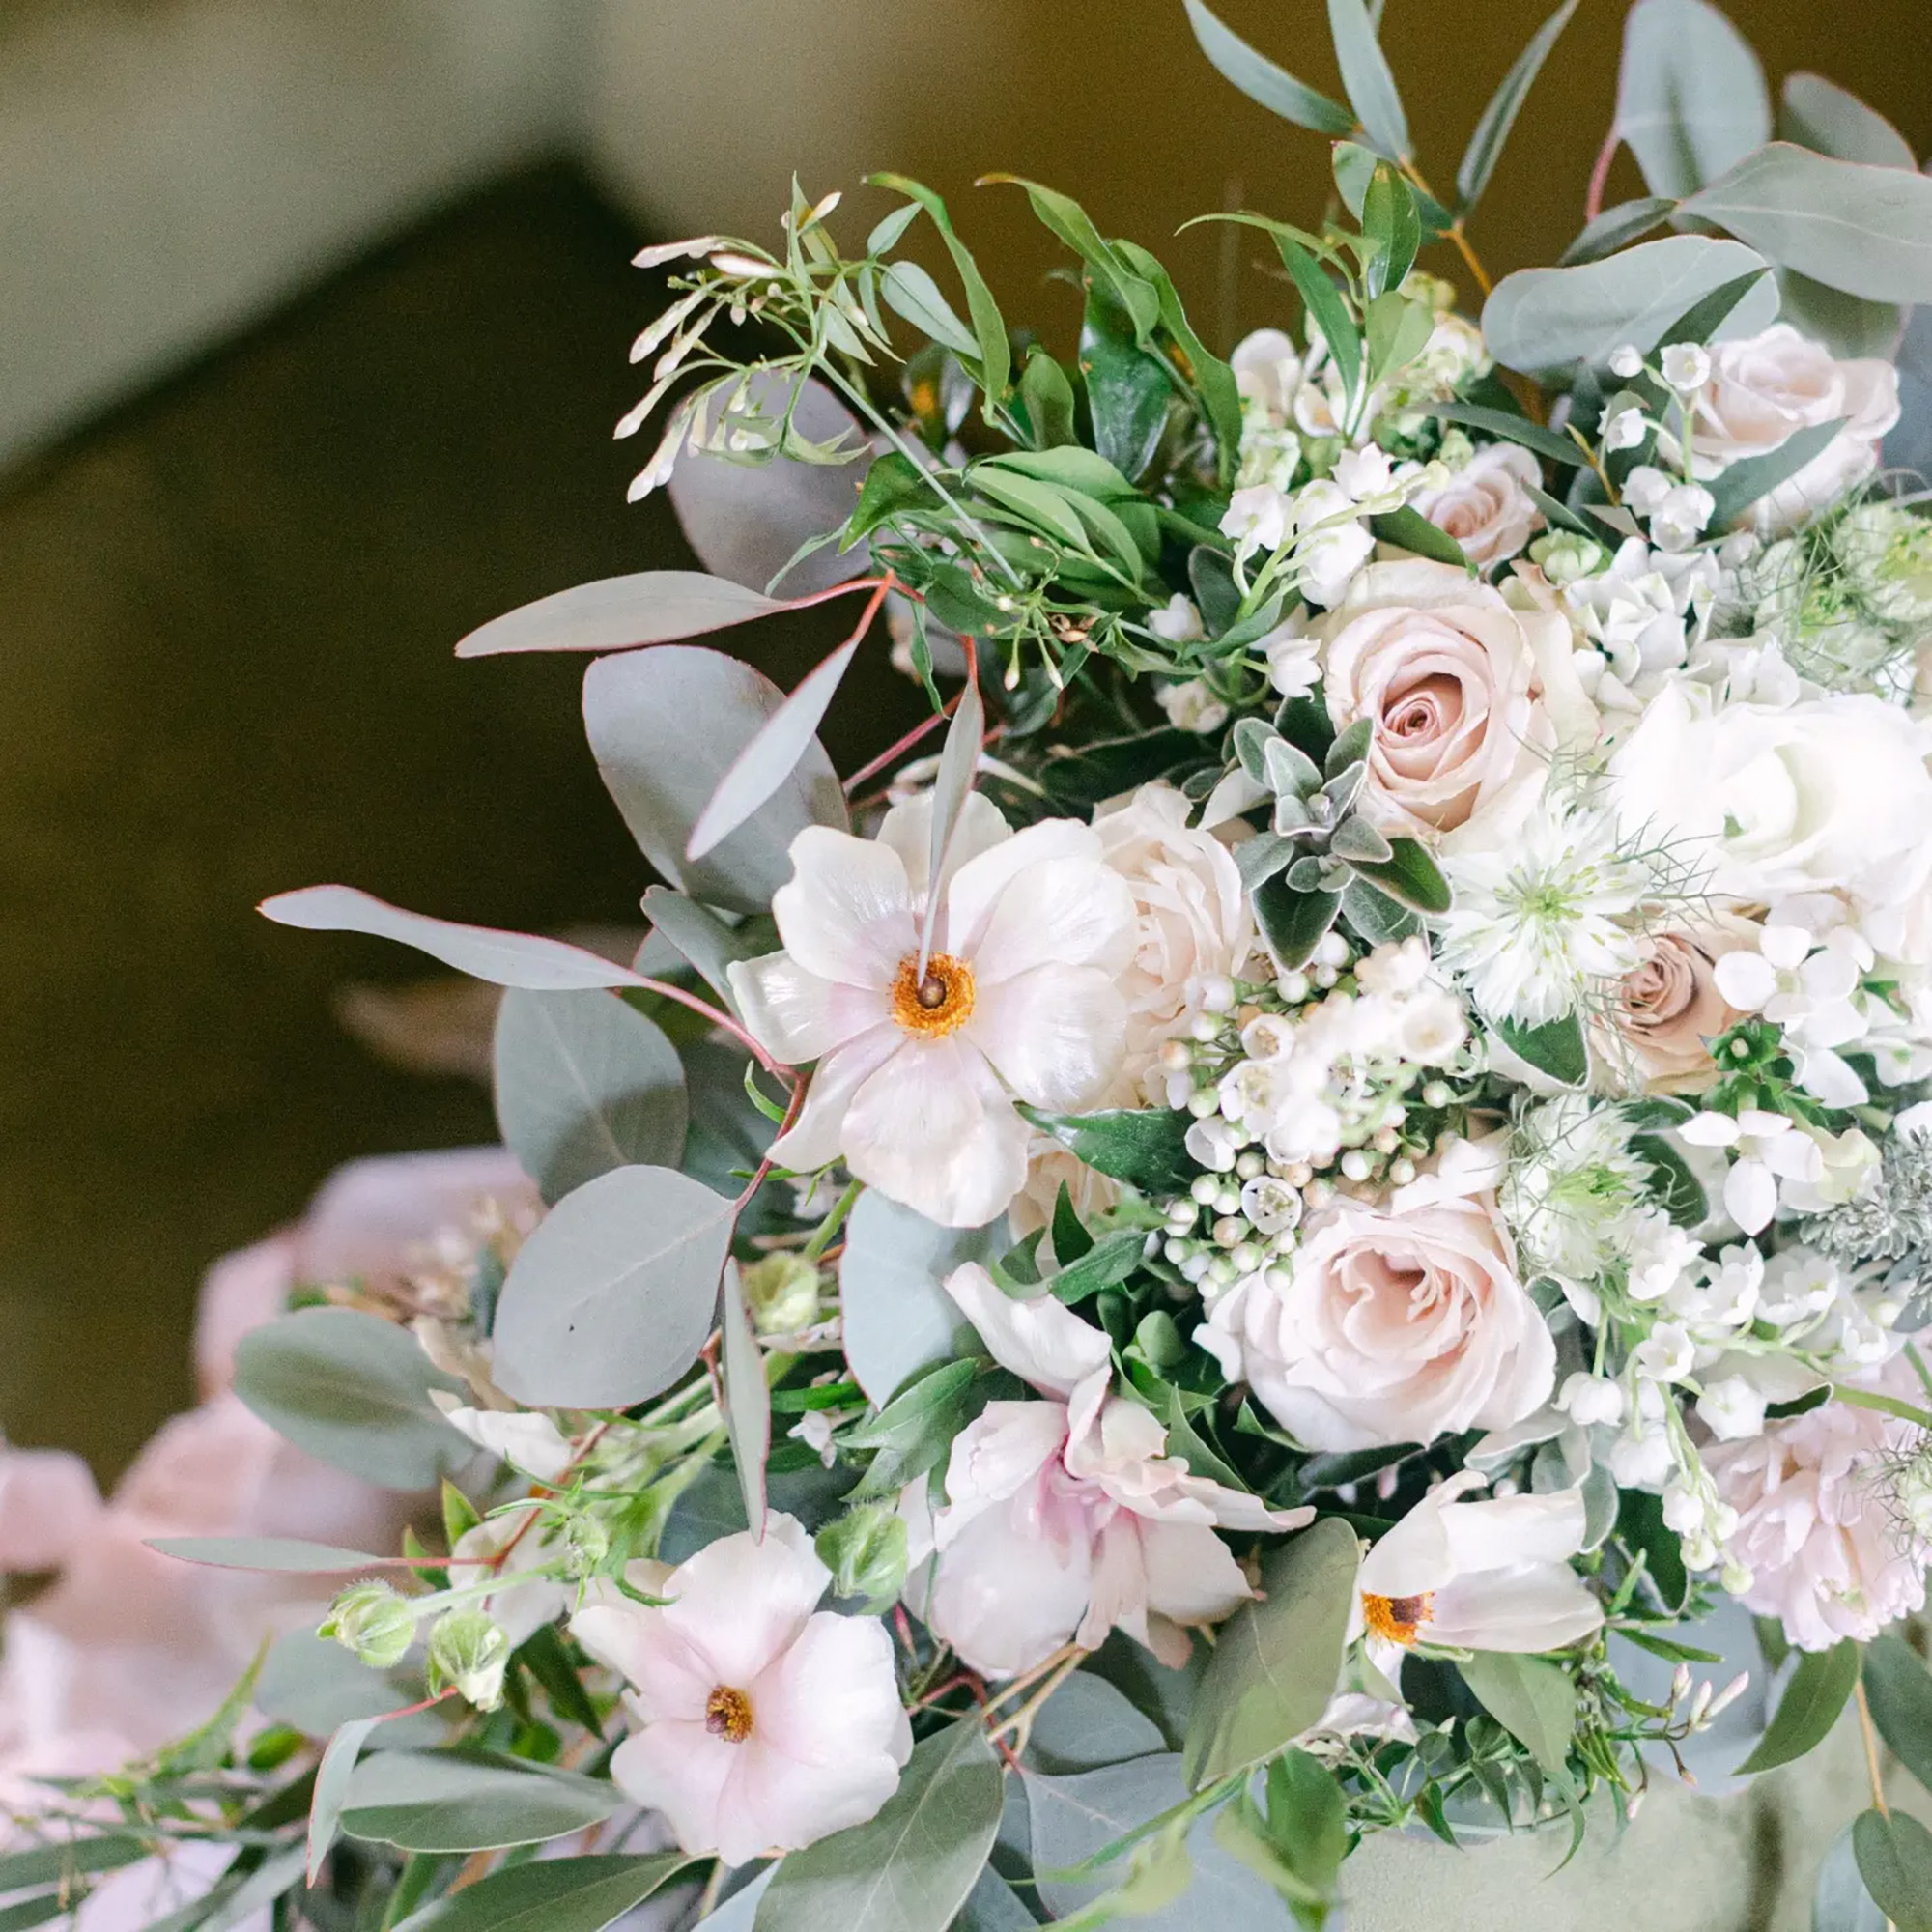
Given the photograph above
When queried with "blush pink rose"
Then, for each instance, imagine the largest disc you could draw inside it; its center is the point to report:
(1485, 505)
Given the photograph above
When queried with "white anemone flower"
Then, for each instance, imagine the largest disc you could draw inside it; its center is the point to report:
(1765, 1150)
(1485, 1575)
(917, 1074)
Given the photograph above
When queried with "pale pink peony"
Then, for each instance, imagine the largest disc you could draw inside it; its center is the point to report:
(1830, 1551)
(1065, 1517)
(762, 1722)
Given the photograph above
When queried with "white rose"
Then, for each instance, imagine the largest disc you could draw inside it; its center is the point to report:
(1456, 683)
(1193, 922)
(1766, 387)
(1485, 505)
(1394, 1327)
(1830, 795)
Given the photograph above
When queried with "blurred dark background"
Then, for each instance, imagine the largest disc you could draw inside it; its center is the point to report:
(312, 334)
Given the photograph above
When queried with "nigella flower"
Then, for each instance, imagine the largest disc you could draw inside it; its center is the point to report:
(1535, 919)
(918, 1072)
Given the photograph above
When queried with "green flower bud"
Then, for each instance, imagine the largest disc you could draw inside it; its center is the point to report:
(782, 1293)
(1563, 556)
(865, 1551)
(470, 1650)
(374, 1622)
(586, 1542)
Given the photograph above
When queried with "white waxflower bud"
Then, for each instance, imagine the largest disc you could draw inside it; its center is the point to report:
(1588, 1400)
(1625, 361)
(1686, 367)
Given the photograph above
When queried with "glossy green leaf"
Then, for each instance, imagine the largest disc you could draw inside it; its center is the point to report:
(1074, 226)
(1127, 390)
(1555, 1048)
(1492, 130)
(1110, 1261)
(1261, 80)
(1865, 230)
(1706, 317)
(1396, 329)
(1745, 483)
(610, 1300)
(912, 1434)
(896, 1316)
(910, 1868)
(1327, 311)
(1049, 400)
(1894, 1855)
(990, 348)
(1277, 1658)
(1392, 228)
(551, 1895)
(439, 1801)
(1143, 1147)
(1898, 1687)
(1690, 94)
(892, 484)
(584, 1083)
(1819, 1689)
(911, 294)
(1211, 379)
(1501, 423)
(1408, 528)
(352, 1391)
(1818, 114)
(1366, 79)
(1531, 1699)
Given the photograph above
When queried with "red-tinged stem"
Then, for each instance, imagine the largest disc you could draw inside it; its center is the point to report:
(1599, 174)
(721, 1019)
(903, 746)
(792, 1113)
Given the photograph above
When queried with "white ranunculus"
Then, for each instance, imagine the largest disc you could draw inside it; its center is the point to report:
(916, 1079)
(1485, 505)
(1392, 1325)
(1193, 924)
(762, 1722)
(1829, 794)
(1767, 387)
(1458, 686)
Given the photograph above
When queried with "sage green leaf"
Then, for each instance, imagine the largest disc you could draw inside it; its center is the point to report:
(584, 1083)
(1899, 1689)
(1531, 1699)
(1841, 1903)
(1408, 528)
(908, 290)
(1848, 326)
(704, 940)
(1818, 114)
(551, 1895)
(314, 1685)
(1554, 1049)
(1087, 1723)
(665, 726)
(1396, 329)
(737, 1912)
(352, 1391)
(1366, 79)
(1548, 318)
(771, 753)
(1074, 226)
(748, 1399)
(1492, 130)
(610, 1300)
(1143, 1147)
(1702, 321)
(1410, 875)
(1276, 1659)
(1616, 228)
(1894, 1855)
(1291, 921)
(1110, 1261)
(1865, 230)
(438, 1802)
(1262, 81)
(284, 1553)
(993, 1906)
(1049, 400)
(959, 764)
(910, 1868)
(503, 958)
(895, 1315)
(1375, 917)
(1817, 1692)
(1544, 443)
(60, 1863)
(1745, 483)
(618, 613)
(1690, 94)
(1392, 228)
(331, 1789)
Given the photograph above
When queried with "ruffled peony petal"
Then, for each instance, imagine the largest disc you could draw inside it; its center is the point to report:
(1056, 1034)
(1042, 1340)
(846, 913)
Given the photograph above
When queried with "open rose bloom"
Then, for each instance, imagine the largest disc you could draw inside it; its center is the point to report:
(1326, 1161)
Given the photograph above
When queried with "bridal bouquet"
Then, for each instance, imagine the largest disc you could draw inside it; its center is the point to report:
(1223, 1248)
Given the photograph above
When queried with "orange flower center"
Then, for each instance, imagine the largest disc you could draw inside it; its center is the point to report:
(939, 1003)
(727, 1715)
(1396, 1619)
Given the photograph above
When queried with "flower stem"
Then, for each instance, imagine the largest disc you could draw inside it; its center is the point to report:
(821, 1238)
(1870, 1735)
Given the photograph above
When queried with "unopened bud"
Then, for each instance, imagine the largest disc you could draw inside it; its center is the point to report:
(782, 1293)
(585, 1544)
(1728, 1695)
(374, 1622)
(470, 1650)
(865, 1550)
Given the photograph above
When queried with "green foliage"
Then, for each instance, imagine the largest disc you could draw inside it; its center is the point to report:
(1146, 1147)
(1555, 1048)
(1894, 1855)
(583, 1894)
(1899, 1689)
(1819, 1689)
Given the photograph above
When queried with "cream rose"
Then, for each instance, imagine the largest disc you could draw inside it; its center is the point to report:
(1667, 1006)
(1830, 795)
(1455, 682)
(1485, 505)
(1767, 387)
(1393, 1324)
(1193, 923)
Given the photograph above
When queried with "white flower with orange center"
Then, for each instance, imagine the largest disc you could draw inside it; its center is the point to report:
(920, 1063)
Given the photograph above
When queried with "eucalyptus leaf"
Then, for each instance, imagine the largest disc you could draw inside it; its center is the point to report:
(1817, 113)
(896, 1315)
(910, 1868)
(1848, 326)
(352, 1391)
(1087, 1723)
(315, 1686)
(1819, 1689)
(1865, 230)
(583, 1894)
(1690, 94)
(1618, 228)
(1366, 79)
(1492, 130)
(584, 1083)
(665, 726)
(331, 1789)
(1894, 1855)
(287, 1554)
(439, 1801)
(1745, 483)
(484, 953)
(618, 613)
(703, 938)
(1277, 1658)
(1262, 81)
(1840, 1902)
(748, 1399)
(1899, 1688)
(1547, 318)
(610, 1298)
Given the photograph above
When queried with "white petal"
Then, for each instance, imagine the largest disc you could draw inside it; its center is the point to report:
(1191, 1575)
(794, 1015)
(1747, 980)
(670, 1677)
(1056, 1035)
(680, 1770)
(1042, 1340)
(1541, 1607)
(1751, 1196)
(818, 1134)
(530, 1442)
(993, 1458)
(846, 912)
(976, 888)
(1065, 912)
(1784, 946)
(1006, 1595)
(1510, 1530)
(908, 830)
(1709, 1130)
(1821, 1072)
(739, 1602)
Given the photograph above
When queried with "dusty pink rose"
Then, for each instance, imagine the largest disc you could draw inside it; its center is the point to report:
(1668, 1005)
(1485, 505)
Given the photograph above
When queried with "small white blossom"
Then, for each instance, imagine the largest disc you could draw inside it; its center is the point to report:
(1192, 706)
(1766, 1149)
(1625, 361)
(1258, 518)
(1731, 1408)
(1588, 1400)
(1626, 429)
(1177, 621)
(1686, 367)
